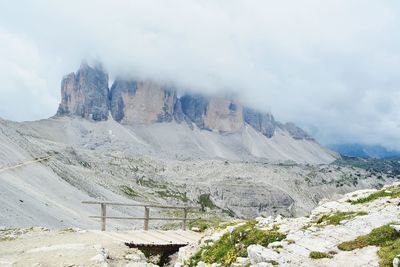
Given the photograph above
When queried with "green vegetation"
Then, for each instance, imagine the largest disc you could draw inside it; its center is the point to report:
(12, 234)
(385, 237)
(7, 238)
(389, 192)
(337, 217)
(127, 190)
(68, 230)
(84, 164)
(388, 252)
(204, 224)
(206, 202)
(391, 167)
(173, 194)
(165, 191)
(150, 183)
(230, 246)
(319, 255)
(333, 218)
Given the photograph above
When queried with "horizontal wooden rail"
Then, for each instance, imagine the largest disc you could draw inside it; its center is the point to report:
(138, 205)
(103, 216)
(139, 218)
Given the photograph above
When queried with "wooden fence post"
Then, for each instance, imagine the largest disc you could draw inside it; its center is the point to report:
(184, 219)
(103, 216)
(146, 218)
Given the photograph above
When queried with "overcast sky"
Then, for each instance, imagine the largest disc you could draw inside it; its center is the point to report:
(330, 66)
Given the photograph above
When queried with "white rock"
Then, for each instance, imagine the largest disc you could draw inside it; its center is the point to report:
(257, 253)
(395, 227)
(396, 261)
(242, 260)
(263, 264)
(135, 257)
(201, 264)
(140, 264)
(98, 258)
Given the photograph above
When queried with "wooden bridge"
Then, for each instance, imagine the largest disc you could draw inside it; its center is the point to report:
(166, 242)
(146, 218)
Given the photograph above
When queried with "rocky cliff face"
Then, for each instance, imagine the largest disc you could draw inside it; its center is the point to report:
(141, 102)
(85, 93)
(295, 131)
(262, 122)
(213, 113)
(224, 115)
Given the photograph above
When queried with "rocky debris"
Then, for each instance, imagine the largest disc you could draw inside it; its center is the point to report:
(101, 257)
(311, 235)
(142, 102)
(295, 131)
(85, 93)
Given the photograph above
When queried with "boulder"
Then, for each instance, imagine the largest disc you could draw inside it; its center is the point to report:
(258, 254)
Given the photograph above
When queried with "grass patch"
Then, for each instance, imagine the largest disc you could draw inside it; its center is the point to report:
(127, 190)
(333, 218)
(230, 246)
(150, 183)
(388, 252)
(337, 217)
(172, 194)
(319, 255)
(389, 192)
(204, 224)
(384, 237)
(7, 238)
(206, 202)
(12, 234)
(68, 230)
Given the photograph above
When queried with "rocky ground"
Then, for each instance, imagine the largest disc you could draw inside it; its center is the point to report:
(107, 161)
(359, 229)
(69, 247)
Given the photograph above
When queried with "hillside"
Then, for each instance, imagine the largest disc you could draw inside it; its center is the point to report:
(360, 229)
(109, 161)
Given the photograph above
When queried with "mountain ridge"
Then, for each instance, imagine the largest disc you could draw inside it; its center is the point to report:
(86, 94)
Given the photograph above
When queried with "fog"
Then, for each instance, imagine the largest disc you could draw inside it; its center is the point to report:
(332, 67)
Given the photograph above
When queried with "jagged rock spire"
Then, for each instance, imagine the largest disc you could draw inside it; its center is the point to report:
(85, 93)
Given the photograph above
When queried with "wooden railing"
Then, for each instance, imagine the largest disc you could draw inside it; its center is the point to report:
(103, 215)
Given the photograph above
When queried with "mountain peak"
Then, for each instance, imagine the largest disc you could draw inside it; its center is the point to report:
(85, 93)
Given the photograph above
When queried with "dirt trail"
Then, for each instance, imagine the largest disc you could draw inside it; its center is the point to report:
(2, 169)
(69, 247)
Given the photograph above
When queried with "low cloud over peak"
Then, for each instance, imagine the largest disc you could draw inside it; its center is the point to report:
(329, 66)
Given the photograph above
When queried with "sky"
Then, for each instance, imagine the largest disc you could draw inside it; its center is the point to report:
(330, 66)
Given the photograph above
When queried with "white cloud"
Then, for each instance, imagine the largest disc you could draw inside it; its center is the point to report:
(331, 66)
